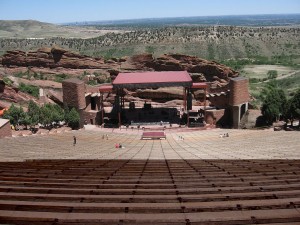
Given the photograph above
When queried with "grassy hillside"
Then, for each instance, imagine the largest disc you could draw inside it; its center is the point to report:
(212, 42)
(31, 29)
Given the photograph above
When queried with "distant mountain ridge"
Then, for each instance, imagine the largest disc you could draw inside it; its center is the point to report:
(18, 28)
(229, 20)
(32, 29)
(211, 42)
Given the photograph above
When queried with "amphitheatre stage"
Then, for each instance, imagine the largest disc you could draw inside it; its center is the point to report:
(191, 177)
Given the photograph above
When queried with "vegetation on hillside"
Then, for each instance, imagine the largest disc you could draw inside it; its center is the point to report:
(30, 89)
(219, 43)
(49, 115)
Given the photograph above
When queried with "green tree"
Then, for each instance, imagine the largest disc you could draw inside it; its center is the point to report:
(15, 115)
(274, 103)
(295, 107)
(45, 116)
(51, 114)
(25, 120)
(72, 118)
(57, 114)
(33, 113)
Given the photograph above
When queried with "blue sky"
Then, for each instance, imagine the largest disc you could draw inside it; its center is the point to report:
(60, 11)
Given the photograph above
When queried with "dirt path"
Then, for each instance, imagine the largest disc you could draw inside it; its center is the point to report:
(282, 77)
(288, 75)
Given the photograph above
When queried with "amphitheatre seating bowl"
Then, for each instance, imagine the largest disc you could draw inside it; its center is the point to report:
(251, 177)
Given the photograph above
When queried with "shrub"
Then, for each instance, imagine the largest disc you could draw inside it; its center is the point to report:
(92, 82)
(7, 81)
(272, 74)
(30, 89)
(254, 80)
(60, 77)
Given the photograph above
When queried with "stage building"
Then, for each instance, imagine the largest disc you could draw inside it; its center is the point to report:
(224, 108)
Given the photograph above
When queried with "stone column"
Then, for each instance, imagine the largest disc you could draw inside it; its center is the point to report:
(236, 114)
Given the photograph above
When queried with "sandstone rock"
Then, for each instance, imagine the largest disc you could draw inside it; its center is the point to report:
(198, 77)
(193, 64)
(56, 60)
(160, 94)
(13, 95)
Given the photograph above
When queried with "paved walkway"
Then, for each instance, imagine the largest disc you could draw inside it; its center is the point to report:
(207, 144)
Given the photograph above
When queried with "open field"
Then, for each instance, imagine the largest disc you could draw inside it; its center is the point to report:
(288, 78)
(261, 71)
(288, 83)
(251, 177)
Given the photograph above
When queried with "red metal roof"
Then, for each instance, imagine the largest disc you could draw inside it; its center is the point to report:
(153, 79)
(106, 88)
(199, 85)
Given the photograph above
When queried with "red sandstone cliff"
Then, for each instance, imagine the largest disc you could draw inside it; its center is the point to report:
(60, 58)
(50, 58)
(12, 95)
(192, 64)
(56, 60)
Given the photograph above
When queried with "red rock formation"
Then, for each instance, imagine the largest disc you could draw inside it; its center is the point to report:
(51, 58)
(56, 60)
(192, 64)
(13, 94)
(60, 58)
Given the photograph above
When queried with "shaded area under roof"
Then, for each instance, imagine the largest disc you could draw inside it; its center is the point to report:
(153, 79)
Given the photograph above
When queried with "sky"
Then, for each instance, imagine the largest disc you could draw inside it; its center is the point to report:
(63, 11)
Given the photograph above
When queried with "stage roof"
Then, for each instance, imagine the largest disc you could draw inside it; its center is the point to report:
(105, 88)
(153, 79)
(202, 85)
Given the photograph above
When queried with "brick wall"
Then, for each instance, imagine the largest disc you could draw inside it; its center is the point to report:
(239, 93)
(5, 130)
(74, 93)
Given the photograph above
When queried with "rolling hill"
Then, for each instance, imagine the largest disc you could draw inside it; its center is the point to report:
(31, 29)
(211, 42)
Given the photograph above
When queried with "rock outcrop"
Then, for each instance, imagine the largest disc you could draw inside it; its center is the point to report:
(56, 60)
(51, 58)
(192, 64)
(56, 57)
(13, 95)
